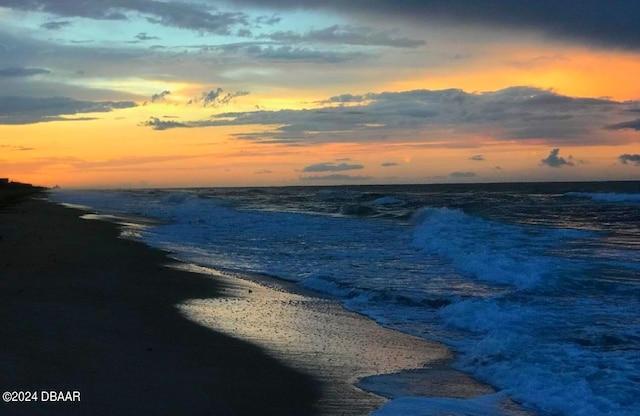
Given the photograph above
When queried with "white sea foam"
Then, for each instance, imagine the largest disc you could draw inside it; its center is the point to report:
(484, 249)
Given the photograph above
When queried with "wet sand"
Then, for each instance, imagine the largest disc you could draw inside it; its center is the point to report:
(137, 333)
(336, 346)
(83, 310)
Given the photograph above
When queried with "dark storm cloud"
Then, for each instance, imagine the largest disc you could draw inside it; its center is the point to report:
(599, 22)
(627, 158)
(555, 161)
(346, 35)
(594, 22)
(389, 164)
(633, 125)
(18, 72)
(28, 110)
(331, 167)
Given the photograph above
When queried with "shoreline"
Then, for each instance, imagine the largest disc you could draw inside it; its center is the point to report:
(87, 311)
(344, 350)
(324, 354)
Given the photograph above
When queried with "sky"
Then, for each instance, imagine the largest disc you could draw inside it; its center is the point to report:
(174, 93)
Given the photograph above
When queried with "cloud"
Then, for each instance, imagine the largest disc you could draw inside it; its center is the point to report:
(344, 98)
(477, 158)
(244, 33)
(15, 148)
(627, 158)
(633, 125)
(126, 163)
(158, 124)
(193, 16)
(100, 9)
(555, 161)
(389, 164)
(216, 98)
(160, 96)
(460, 175)
(593, 22)
(209, 97)
(346, 35)
(73, 65)
(28, 110)
(268, 20)
(56, 25)
(18, 72)
(142, 36)
(331, 167)
(186, 15)
(307, 54)
(289, 53)
(451, 115)
(334, 177)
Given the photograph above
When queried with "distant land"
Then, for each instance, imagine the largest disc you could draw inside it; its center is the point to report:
(11, 191)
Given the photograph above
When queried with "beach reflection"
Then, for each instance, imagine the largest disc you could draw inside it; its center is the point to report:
(318, 336)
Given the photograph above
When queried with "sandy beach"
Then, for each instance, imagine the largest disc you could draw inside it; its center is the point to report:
(135, 332)
(85, 311)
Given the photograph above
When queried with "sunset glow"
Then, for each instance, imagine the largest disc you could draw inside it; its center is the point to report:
(213, 93)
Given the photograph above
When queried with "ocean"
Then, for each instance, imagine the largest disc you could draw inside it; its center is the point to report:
(535, 286)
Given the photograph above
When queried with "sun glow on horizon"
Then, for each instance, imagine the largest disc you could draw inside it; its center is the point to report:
(237, 95)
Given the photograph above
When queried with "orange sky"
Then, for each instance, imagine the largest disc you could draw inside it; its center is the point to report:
(492, 130)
